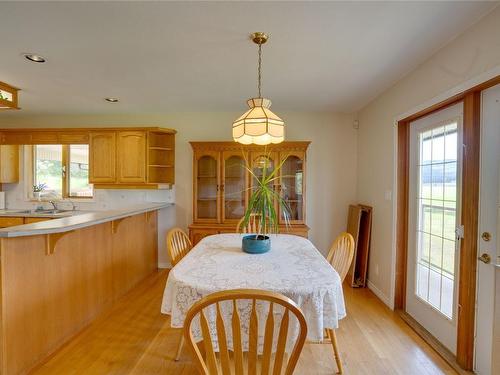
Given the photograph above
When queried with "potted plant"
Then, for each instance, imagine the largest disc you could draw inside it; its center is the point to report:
(38, 189)
(261, 208)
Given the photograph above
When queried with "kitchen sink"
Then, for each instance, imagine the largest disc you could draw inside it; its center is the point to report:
(48, 212)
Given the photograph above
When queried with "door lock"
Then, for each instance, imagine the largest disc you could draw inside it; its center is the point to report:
(486, 236)
(485, 258)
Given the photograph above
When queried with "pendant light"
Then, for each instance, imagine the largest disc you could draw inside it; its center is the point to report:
(259, 125)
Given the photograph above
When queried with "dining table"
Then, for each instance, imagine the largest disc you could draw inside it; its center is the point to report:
(293, 267)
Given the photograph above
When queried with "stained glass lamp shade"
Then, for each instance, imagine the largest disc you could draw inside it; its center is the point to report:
(259, 125)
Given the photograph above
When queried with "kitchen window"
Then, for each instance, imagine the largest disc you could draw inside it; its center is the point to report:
(62, 170)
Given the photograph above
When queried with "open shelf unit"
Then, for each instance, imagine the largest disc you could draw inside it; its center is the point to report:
(161, 157)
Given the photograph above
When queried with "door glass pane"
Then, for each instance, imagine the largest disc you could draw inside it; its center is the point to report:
(79, 171)
(207, 188)
(234, 187)
(437, 217)
(291, 186)
(49, 169)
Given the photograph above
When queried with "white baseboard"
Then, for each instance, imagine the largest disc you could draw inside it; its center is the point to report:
(164, 265)
(382, 296)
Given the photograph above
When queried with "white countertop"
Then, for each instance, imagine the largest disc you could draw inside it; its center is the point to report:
(77, 221)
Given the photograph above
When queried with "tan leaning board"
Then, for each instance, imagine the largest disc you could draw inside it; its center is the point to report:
(359, 225)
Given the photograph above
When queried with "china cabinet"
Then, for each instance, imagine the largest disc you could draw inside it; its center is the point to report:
(222, 185)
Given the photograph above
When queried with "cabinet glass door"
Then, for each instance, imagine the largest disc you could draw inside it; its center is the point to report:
(260, 162)
(207, 185)
(264, 161)
(292, 187)
(234, 186)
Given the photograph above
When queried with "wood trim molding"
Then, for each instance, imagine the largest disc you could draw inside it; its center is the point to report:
(470, 210)
(402, 214)
(230, 145)
(32, 136)
(433, 342)
(470, 215)
(452, 100)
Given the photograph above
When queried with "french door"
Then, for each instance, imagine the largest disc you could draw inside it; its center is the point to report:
(489, 229)
(434, 222)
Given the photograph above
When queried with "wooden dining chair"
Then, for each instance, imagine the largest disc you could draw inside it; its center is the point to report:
(340, 257)
(341, 254)
(222, 364)
(178, 245)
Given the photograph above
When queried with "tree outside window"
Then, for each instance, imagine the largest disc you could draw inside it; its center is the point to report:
(64, 169)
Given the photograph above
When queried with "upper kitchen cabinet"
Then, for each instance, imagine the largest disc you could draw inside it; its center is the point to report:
(102, 157)
(9, 164)
(132, 158)
(119, 158)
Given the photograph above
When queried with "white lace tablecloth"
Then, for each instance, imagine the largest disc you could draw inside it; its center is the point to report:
(293, 267)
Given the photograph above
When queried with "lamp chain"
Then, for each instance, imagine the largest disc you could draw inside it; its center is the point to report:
(259, 70)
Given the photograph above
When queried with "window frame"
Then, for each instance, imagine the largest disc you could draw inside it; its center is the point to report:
(66, 164)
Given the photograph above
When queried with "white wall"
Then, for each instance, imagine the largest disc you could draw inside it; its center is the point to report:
(331, 168)
(471, 54)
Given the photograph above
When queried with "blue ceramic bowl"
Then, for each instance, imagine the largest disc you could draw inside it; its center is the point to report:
(252, 245)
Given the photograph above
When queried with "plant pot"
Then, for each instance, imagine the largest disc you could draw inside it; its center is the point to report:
(253, 244)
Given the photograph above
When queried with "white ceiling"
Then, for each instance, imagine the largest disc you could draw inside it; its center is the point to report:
(186, 56)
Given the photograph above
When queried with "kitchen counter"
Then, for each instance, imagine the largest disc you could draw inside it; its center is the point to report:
(58, 275)
(75, 220)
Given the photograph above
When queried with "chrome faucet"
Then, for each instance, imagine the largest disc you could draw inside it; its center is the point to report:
(73, 205)
(53, 204)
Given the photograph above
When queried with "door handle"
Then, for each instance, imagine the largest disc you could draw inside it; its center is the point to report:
(485, 258)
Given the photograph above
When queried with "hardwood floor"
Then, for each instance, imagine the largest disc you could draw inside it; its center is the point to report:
(134, 338)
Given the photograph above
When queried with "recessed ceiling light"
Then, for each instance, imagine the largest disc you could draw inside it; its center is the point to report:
(112, 100)
(35, 58)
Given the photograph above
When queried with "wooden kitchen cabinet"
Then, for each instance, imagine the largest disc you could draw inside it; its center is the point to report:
(102, 157)
(131, 157)
(30, 220)
(119, 158)
(222, 185)
(9, 164)
(11, 221)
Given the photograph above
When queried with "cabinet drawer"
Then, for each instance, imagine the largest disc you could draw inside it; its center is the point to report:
(29, 220)
(9, 221)
(102, 157)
